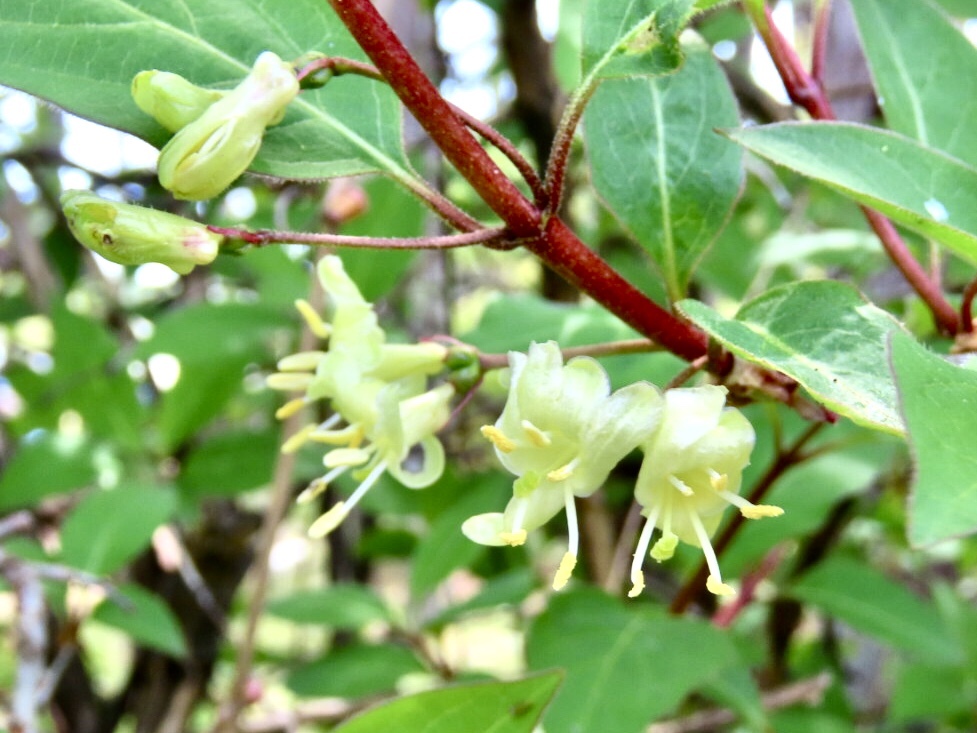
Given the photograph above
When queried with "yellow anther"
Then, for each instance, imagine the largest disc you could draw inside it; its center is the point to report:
(298, 440)
(719, 481)
(351, 436)
(562, 473)
(315, 323)
(290, 408)
(289, 381)
(513, 539)
(328, 521)
(637, 584)
(679, 484)
(345, 457)
(498, 438)
(717, 587)
(537, 437)
(758, 511)
(303, 361)
(563, 573)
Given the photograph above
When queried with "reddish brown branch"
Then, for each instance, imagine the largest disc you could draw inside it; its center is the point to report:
(487, 237)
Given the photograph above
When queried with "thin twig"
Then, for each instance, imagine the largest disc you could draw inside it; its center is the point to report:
(281, 496)
(556, 166)
(724, 617)
(822, 23)
(967, 307)
(623, 550)
(611, 348)
(487, 237)
(809, 691)
(695, 366)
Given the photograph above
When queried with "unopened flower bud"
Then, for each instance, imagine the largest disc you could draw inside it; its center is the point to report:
(205, 157)
(170, 99)
(134, 235)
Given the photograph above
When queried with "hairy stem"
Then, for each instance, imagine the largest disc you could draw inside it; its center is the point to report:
(486, 237)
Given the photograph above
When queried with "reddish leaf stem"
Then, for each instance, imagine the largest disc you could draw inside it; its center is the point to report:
(806, 91)
(487, 237)
(967, 307)
(822, 22)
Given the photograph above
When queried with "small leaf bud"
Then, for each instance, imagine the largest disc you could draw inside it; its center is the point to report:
(134, 235)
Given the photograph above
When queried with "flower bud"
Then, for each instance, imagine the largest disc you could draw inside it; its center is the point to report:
(205, 157)
(170, 99)
(134, 235)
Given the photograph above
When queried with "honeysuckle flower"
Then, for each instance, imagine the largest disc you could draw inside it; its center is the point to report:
(385, 418)
(171, 100)
(561, 433)
(208, 154)
(134, 235)
(692, 470)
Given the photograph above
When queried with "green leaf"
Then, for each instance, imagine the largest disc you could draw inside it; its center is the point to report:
(870, 602)
(109, 528)
(928, 91)
(634, 38)
(45, 464)
(343, 606)
(626, 665)
(350, 126)
(354, 671)
(939, 403)
(509, 588)
(824, 335)
(488, 707)
(146, 618)
(230, 463)
(914, 185)
(444, 548)
(658, 164)
(213, 343)
(930, 692)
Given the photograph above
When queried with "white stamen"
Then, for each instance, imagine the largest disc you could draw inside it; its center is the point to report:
(573, 532)
(641, 552)
(679, 484)
(539, 438)
(320, 484)
(715, 582)
(367, 484)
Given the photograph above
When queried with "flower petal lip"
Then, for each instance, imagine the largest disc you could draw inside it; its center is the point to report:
(206, 156)
(129, 234)
(171, 100)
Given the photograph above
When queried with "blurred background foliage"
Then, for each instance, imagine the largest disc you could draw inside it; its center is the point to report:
(137, 432)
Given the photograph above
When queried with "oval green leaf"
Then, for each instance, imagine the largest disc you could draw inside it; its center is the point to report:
(919, 187)
(824, 335)
(658, 164)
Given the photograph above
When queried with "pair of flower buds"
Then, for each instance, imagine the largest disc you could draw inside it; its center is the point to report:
(561, 433)
(217, 136)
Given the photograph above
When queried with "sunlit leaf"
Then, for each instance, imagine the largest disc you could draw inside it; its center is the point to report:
(928, 91)
(659, 165)
(824, 335)
(914, 185)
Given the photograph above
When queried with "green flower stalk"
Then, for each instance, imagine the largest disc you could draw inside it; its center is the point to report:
(171, 100)
(206, 156)
(385, 418)
(134, 235)
(561, 433)
(692, 470)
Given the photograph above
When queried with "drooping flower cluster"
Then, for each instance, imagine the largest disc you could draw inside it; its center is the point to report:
(385, 418)
(562, 432)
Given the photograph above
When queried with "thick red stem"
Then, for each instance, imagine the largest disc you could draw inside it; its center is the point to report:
(552, 241)
(572, 259)
(434, 114)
